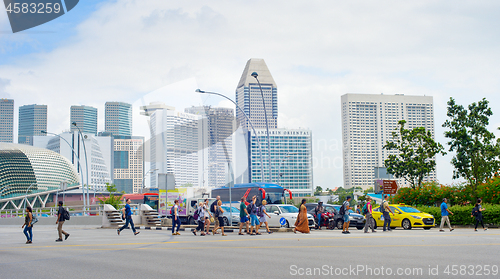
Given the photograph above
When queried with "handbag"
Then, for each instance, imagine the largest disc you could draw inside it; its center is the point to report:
(212, 220)
(34, 219)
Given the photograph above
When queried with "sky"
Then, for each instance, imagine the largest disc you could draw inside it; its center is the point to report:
(162, 50)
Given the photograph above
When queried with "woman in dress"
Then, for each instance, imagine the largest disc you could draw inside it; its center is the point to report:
(263, 217)
(28, 231)
(479, 215)
(302, 224)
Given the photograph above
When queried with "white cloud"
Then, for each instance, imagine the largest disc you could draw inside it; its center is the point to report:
(316, 51)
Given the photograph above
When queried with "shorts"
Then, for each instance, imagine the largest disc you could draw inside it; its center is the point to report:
(219, 221)
(253, 220)
(346, 218)
(263, 219)
(243, 219)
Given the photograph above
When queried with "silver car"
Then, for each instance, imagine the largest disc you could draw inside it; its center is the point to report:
(227, 215)
(285, 215)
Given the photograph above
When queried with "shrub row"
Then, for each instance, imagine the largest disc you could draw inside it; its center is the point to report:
(462, 214)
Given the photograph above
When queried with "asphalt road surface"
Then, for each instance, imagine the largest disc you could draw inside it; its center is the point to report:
(101, 253)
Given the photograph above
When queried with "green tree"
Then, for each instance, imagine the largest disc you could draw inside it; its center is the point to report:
(113, 200)
(476, 151)
(417, 149)
(318, 191)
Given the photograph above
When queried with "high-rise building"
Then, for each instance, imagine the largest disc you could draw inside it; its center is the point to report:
(368, 121)
(6, 120)
(176, 147)
(249, 97)
(118, 118)
(219, 130)
(291, 159)
(128, 163)
(32, 120)
(85, 118)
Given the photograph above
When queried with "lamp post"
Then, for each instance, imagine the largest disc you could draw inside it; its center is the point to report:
(26, 197)
(86, 162)
(281, 162)
(144, 178)
(255, 75)
(251, 125)
(79, 164)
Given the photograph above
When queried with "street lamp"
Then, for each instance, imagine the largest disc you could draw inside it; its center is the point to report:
(26, 197)
(251, 125)
(255, 75)
(144, 177)
(77, 158)
(86, 162)
(281, 162)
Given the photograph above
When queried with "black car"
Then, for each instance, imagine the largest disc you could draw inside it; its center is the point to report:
(356, 220)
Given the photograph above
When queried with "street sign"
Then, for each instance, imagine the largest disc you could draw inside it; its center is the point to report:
(390, 187)
(282, 221)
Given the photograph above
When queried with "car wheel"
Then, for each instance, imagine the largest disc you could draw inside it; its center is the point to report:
(406, 224)
(427, 229)
(191, 221)
(226, 222)
(340, 224)
(287, 225)
(331, 225)
(374, 224)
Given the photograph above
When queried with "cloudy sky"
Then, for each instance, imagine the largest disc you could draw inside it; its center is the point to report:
(162, 50)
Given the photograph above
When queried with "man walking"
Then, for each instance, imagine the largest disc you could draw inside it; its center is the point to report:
(213, 208)
(243, 216)
(345, 210)
(445, 212)
(385, 209)
(319, 210)
(175, 218)
(60, 222)
(127, 212)
(368, 215)
(254, 221)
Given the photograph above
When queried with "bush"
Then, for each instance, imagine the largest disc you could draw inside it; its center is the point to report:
(462, 214)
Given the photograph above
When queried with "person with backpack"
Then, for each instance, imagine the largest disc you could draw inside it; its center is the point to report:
(367, 211)
(61, 213)
(477, 212)
(218, 215)
(344, 211)
(127, 213)
(319, 211)
(385, 209)
(254, 221)
(213, 208)
(199, 216)
(262, 214)
(28, 226)
(444, 216)
(243, 216)
(175, 218)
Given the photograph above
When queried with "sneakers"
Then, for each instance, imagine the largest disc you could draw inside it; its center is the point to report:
(66, 237)
(269, 232)
(177, 233)
(441, 230)
(118, 232)
(136, 233)
(59, 240)
(374, 231)
(194, 232)
(452, 230)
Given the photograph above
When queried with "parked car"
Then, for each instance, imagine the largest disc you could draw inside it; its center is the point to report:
(286, 211)
(356, 220)
(405, 216)
(227, 216)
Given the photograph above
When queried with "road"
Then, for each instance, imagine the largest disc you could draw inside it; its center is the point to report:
(101, 253)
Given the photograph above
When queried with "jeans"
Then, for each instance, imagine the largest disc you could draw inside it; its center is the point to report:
(318, 216)
(369, 222)
(128, 220)
(477, 223)
(387, 221)
(176, 222)
(60, 230)
(445, 219)
(30, 231)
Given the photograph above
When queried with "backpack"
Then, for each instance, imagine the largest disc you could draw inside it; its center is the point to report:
(172, 211)
(475, 211)
(382, 208)
(364, 211)
(260, 213)
(342, 209)
(65, 215)
(213, 206)
(250, 208)
(196, 214)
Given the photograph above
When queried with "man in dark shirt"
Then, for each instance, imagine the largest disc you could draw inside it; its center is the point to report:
(127, 211)
(319, 210)
(60, 222)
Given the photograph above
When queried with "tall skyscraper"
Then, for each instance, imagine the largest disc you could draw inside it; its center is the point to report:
(291, 159)
(219, 130)
(128, 163)
(118, 118)
(249, 97)
(85, 118)
(6, 120)
(368, 121)
(32, 120)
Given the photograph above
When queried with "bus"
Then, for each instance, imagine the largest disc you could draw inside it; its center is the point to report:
(150, 199)
(272, 193)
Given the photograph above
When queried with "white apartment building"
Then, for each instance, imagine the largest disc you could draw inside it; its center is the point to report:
(368, 121)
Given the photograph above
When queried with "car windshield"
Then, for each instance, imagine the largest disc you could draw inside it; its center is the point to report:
(408, 209)
(233, 209)
(289, 209)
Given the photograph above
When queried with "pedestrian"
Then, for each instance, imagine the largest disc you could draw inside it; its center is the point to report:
(213, 207)
(219, 216)
(302, 223)
(175, 219)
(243, 216)
(385, 209)
(262, 213)
(28, 227)
(207, 215)
(200, 220)
(358, 209)
(477, 212)
(346, 206)
(368, 216)
(60, 222)
(254, 221)
(444, 216)
(127, 213)
(319, 211)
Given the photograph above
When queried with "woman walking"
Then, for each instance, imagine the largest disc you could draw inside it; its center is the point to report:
(219, 215)
(302, 224)
(200, 220)
(262, 216)
(207, 215)
(477, 212)
(28, 231)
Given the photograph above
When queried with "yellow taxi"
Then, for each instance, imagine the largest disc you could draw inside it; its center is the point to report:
(405, 216)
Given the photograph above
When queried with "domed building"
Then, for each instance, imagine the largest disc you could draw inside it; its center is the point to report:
(22, 166)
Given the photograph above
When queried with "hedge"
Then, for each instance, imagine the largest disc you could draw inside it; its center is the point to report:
(462, 214)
